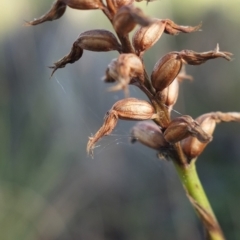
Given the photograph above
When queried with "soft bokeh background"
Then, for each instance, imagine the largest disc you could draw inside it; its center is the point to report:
(50, 189)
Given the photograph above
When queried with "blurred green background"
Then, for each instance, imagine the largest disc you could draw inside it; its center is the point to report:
(50, 189)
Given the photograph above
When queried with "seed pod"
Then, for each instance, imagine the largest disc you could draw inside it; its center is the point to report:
(134, 109)
(126, 109)
(169, 94)
(191, 146)
(97, 40)
(148, 134)
(183, 127)
(127, 17)
(58, 8)
(166, 70)
(145, 37)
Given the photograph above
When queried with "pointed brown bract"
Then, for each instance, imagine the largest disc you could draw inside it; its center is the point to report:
(191, 146)
(58, 8)
(195, 58)
(110, 121)
(74, 55)
(127, 17)
(183, 127)
(149, 134)
(126, 69)
(93, 40)
(166, 70)
(174, 29)
(126, 109)
(145, 37)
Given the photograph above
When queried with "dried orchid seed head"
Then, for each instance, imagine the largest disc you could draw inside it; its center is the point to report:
(148, 134)
(183, 127)
(145, 37)
(166, 70)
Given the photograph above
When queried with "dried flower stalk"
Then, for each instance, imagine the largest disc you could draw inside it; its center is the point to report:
(180, 139)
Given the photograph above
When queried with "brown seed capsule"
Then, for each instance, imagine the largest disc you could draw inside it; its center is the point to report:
(148, 134)
(183, 127)
(127, 17)
(98, 40)
(191, 146)
(169, 94)
(134, 109)
(58, 8)
(166, 70)
(126, 109)
(145, 37)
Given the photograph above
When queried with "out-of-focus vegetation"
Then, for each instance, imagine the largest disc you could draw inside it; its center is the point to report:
(50, 189)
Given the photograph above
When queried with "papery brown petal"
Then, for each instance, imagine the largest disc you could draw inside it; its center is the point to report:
(111, 73)
(148, 134)
(57, 10)
(134, 109)
(74, 55)
(127, 17)
(166, 70)
(98, 40)
(127, 67)
(195, 58)
(183, 127)
(110, 121)
(174, 29)
(145, 37)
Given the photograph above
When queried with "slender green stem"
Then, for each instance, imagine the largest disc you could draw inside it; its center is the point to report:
(196, 194)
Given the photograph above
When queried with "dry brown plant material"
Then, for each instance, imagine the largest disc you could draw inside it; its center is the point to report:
(191, 146)
(180, 139)
(126, 109)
